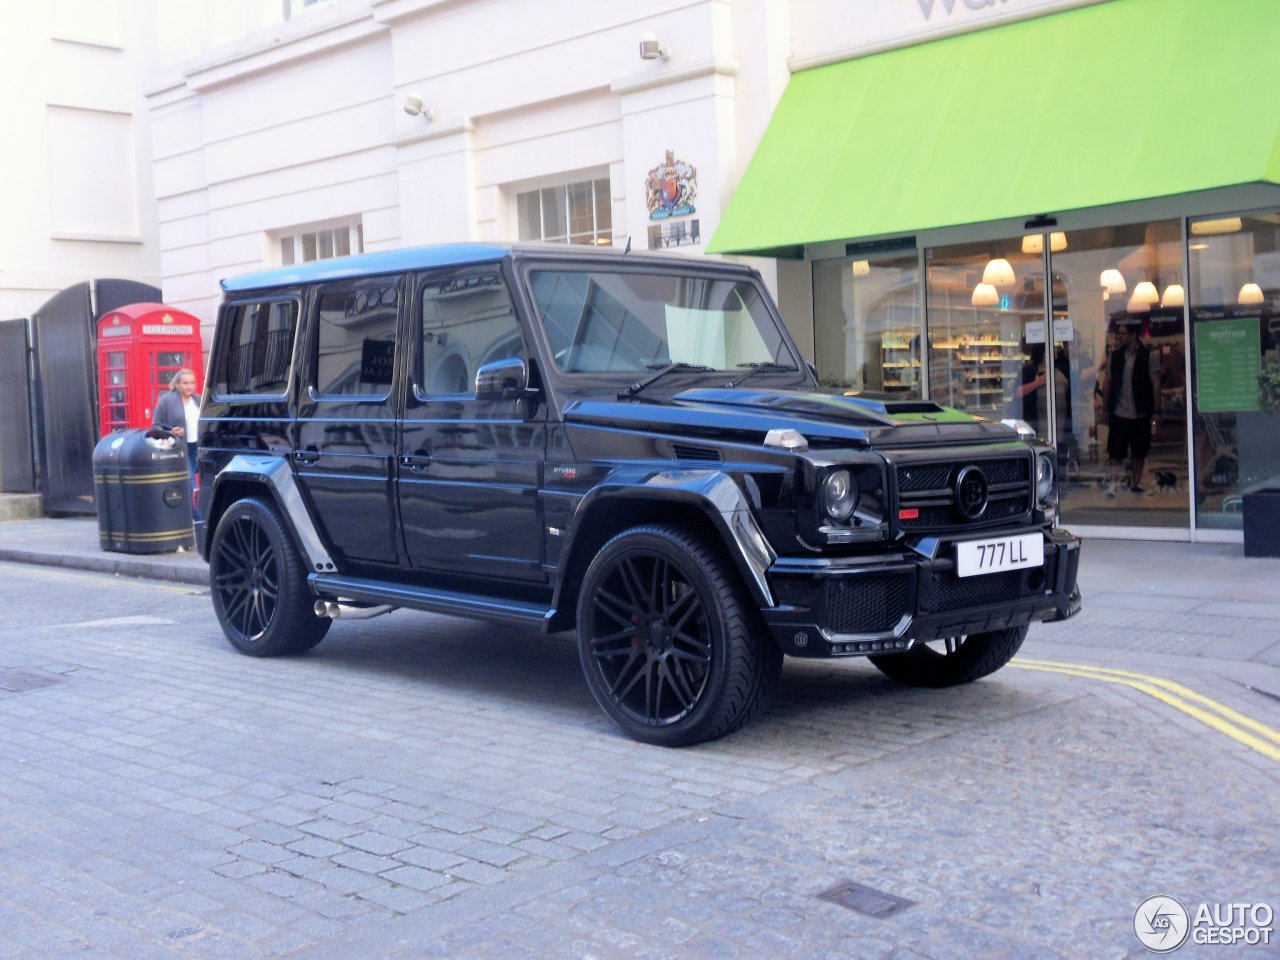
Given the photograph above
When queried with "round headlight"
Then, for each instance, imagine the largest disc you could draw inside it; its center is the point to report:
(1044, 476)
(839, 495)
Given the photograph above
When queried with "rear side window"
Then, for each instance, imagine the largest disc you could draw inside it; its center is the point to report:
(356, 338)
(259, 347)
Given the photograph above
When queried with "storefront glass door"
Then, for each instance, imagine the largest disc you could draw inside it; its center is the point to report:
(1120, 329)
(1235, 287)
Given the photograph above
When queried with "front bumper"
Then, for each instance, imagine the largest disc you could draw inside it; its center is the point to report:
(889, 602)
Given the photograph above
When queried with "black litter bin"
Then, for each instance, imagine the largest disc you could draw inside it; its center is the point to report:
(143, 492)
(1262, 519)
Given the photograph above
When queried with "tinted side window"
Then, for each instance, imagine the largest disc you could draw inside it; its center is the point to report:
(259, 346)
(356, 338)
(467, 320)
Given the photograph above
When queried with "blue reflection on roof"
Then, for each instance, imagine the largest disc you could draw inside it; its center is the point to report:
(369, 264)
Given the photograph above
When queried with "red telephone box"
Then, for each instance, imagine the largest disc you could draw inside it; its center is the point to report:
(140, 348)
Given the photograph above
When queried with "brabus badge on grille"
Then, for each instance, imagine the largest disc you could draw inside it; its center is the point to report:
(971, 492)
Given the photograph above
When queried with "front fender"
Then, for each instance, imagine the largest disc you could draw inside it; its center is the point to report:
(276, 478)
(715, 494)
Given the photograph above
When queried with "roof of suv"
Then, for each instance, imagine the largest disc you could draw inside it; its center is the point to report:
(423, 258)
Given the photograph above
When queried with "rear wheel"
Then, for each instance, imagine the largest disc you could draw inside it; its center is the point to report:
(955, 660)
(259, 584)
(670, 649)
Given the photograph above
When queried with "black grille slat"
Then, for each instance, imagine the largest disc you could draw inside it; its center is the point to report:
(950, 592)
(870, 604)
(686, 451)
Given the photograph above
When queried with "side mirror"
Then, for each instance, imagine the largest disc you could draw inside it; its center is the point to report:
(505, 379)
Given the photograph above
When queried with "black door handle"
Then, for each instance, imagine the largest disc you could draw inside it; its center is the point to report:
(308, 456)
(416, 464)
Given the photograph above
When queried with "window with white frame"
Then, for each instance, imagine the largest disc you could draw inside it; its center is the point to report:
(568, 213)
(294, 7)
(305, 245)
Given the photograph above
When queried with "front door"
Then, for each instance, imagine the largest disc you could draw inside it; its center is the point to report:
(344, 434)
(469, 469)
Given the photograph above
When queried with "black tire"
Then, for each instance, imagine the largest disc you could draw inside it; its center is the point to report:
(259, 584)
(670, 649)
(957, 659)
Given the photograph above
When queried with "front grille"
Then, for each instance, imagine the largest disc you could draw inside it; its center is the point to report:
(869, 604)
(926, 493)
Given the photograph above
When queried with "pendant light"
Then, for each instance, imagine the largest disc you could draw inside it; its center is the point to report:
(1145, 292)
(1251, 293)
(998, 273)
(1112, 281)
(1137, 305)
(1174, 296)
(1034, 242)
(985, 295)
(861, 268)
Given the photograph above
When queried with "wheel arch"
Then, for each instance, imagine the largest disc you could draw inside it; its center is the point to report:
(271, 478)
(706, 500)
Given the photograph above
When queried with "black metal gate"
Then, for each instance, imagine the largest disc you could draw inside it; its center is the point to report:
(17, 458)
(67, 425)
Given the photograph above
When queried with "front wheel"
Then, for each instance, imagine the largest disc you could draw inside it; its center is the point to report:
(259, 584)
(670, 649)
(955, 660)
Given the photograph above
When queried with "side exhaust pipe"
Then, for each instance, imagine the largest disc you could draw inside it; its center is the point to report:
(345, 611)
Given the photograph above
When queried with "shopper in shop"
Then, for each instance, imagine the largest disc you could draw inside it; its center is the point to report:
(178, 411)
(1032, 392)
(1132, 394)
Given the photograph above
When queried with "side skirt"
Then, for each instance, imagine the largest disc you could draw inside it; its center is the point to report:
(333, 586)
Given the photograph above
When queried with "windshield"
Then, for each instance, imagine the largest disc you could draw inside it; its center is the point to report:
(629, 322)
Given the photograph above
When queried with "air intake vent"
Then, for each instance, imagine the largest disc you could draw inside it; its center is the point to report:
(686, 451)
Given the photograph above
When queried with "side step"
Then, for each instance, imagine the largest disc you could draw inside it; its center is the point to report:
(425, 598)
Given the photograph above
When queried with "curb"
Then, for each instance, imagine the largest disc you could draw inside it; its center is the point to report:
(152, 570)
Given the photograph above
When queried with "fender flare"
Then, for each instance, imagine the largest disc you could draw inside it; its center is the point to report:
(275, 474)
(716, 495)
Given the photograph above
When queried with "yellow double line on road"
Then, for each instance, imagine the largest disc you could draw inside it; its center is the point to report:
(1257, 736)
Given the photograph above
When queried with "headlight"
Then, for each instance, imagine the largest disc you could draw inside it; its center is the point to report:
(1044, 477)
(839, 495)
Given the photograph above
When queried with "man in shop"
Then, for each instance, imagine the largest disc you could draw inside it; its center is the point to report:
(1132, 402)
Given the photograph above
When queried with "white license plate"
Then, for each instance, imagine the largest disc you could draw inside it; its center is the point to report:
(974, 557)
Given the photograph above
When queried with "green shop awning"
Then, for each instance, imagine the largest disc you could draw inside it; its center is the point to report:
(1120, 101)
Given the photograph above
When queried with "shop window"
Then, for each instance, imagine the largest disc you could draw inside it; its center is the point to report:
(867, 324)
(1234, 295)
(322, 244)
(570, 213)
(980, 300)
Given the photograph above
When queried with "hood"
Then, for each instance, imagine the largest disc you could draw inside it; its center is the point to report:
(829, 419)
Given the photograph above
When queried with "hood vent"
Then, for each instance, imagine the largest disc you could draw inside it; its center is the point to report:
(688, 451)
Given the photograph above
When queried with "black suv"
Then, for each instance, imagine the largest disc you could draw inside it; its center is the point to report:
(626, 445)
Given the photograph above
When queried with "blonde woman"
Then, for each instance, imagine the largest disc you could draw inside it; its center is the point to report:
(178, 411)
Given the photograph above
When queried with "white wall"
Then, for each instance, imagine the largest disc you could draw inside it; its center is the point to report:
(76, 201)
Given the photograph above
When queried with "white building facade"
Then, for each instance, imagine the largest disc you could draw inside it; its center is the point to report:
(76, 197)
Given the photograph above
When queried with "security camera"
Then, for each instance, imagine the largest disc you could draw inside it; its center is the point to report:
(651, 48)
(413, 105)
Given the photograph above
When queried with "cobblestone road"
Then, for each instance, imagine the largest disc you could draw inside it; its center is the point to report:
(421, 786)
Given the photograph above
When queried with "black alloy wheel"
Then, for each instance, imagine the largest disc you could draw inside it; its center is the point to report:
(259, 585)
(668, 648)
(953, 660)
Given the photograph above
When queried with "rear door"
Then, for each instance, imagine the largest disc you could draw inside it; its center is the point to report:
(344, 436)
(469, 469)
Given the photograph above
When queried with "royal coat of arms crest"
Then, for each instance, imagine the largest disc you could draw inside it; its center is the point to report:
(671, 188)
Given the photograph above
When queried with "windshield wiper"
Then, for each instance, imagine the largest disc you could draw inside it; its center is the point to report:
(661, 371)
(756, 367)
